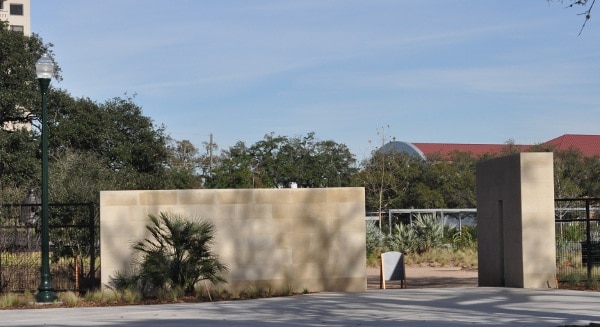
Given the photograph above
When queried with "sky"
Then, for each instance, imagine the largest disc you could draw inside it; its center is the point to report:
(356, 72)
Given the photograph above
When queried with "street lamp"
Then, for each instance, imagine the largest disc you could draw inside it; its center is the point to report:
(44, 68)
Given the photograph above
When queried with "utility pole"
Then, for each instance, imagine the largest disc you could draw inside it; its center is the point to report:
(210, 154)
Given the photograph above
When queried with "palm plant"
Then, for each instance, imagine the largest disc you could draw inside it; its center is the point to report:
(178, 254)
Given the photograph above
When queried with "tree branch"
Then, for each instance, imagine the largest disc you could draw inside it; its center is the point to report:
(587, 13)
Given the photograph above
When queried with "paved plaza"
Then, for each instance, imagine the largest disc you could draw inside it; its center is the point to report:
(471, 306)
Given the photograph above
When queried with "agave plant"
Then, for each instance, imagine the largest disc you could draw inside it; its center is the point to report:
(404, 239)
(424, 234)
(430, 232)
(178, 254)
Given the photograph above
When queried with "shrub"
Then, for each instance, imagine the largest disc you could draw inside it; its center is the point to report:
(430, 232)
(424, 234)
(464, 238)
(375, 241)
(403, 239)
(69, 299)
(178, 254)
(9, 300)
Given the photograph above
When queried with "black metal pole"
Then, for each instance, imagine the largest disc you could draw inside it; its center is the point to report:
(45, 291)
(588, 236)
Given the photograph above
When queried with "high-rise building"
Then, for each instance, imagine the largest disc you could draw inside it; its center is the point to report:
(18, 15)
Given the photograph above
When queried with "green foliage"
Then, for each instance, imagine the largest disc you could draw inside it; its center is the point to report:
(69, 299)
(171, 294)
(443, 256)
(13, 300)
(386, 178)
(398, 180)
(20, 164)
(178, 254)
(19, 93)
(571, 232)
(183, 162)
(465, 238)
(278, 161)
(430, 232)
(131, 296)
(255, 292)
(375, 238)
(403, 239)
(234, 169)
(375, 243)
(424, 234)
(116, 132)
(104, 296)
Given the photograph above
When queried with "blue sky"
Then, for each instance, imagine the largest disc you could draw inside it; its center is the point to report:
(452, 71)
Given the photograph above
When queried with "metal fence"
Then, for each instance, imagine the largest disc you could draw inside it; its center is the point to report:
(577, 239)
(74, 247)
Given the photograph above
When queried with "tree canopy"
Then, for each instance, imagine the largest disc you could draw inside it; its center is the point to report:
(93, 145)
(279, 161)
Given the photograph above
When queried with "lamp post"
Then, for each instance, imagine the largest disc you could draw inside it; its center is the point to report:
(44, 68)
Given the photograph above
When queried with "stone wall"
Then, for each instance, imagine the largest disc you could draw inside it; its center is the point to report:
(311, 239)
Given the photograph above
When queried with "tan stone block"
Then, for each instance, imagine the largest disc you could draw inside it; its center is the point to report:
(196, 197)
(153, 197)
(309, 195)
(273, 196)
(118, 198)
(237, 196)
(534, 167)
(289, 211)
(345, 194)
(309, 270)
(516, 219)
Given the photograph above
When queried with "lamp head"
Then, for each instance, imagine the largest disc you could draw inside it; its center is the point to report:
(44, 67)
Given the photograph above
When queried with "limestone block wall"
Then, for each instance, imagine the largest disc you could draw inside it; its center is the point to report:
(515, 221)
(310, 239)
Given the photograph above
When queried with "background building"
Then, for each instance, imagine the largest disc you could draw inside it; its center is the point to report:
(18, 15)
(589, 145)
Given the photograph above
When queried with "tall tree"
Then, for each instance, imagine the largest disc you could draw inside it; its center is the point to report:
(278, 161)
(19, 102)
(116, 131)
(19, 92)
(234, 168)
(387, 178)
(19, 163)
(184, 162)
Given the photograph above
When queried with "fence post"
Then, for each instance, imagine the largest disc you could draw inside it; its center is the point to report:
(92, 243)
(588, 235)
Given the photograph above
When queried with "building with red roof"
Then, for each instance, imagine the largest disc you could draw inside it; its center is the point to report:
(589, 145)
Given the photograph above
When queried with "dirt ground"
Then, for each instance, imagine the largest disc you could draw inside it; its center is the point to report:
(427, 277)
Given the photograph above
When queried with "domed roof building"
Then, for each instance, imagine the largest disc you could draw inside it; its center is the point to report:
(589, 145)
(402, 147)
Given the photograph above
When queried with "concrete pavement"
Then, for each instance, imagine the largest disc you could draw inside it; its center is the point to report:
(393, 307)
